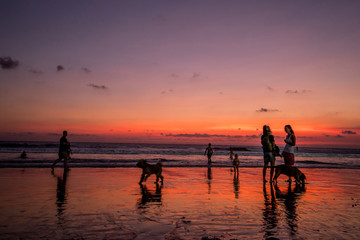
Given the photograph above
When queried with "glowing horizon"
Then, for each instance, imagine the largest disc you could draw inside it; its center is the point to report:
(179, 72)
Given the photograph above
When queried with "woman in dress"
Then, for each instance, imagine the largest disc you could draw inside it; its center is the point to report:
(289, 150)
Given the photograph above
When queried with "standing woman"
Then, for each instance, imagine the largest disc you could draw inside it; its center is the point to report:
(289, 149)
(268, 145)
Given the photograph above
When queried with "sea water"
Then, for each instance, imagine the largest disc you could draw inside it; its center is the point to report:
(42, 154)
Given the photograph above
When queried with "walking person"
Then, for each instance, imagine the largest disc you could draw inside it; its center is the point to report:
(209, 152)
(268, 146)
(289, 149)
(64, 152)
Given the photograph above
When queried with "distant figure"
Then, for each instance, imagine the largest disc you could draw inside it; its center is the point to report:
(64, 151)
(289, 149)
(23, 155)
(231, 155)
(236, 164)
(268, 146)
(209, 152)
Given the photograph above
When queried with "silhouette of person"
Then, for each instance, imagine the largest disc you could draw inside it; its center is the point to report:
(209, 152)
(289, 149)
(231, 156)
(23, 155)
(268, 146)
(236, 164)
(64, 151)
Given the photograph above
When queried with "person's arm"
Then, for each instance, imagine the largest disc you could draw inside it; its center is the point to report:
(293, 138)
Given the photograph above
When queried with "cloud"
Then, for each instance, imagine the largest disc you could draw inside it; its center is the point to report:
(60, 68)
(298, 92)
(174, 75)
(167, 91)
(8, 63)
(102, 87)
(221, 93)
(34, 71)
(267, 110)
(160, 18)
(270, 89)
(205, 135)
(195, 75)
(86, 70)
(335, 136)
(348, 132)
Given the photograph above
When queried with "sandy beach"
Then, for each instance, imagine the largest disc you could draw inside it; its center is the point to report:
(193, 203)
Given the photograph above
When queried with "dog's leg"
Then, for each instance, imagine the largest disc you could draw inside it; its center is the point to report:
(277, 174)
(142, 177)
(146, 177)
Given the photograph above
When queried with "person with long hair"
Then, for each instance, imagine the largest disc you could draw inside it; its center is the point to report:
(268, 145)
(289, 149)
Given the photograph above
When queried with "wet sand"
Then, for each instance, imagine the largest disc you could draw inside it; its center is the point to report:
(193, 203)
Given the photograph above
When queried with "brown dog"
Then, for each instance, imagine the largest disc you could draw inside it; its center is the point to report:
(149, 169)
(290, 171)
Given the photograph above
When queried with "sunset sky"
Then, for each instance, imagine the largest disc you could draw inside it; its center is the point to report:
(180, 71)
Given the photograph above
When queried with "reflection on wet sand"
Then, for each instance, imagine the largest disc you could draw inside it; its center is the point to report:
(236, 184)
(281, 201)
(209, 177)
(150, 196)
(61, 196)
(270, 213)
(290, 198)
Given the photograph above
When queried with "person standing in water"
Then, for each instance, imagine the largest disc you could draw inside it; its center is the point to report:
(268, 146)
(289, 149)
(64, 151)
(236, 163)
(209, 152)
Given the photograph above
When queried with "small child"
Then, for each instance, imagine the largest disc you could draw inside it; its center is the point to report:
(236, 163)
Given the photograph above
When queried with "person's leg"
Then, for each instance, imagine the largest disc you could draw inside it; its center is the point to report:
(272, 170)
(65, 163)
(55, 162)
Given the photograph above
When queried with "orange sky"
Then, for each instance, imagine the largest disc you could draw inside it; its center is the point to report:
(168, 71)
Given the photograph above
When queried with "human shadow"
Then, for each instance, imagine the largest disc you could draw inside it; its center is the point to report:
(270, 213)
(150, 197)
(61, 194)
(290, 199)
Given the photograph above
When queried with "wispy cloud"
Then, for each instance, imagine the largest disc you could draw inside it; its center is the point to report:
(8, 63)
(60, 68)
(34, 71)
(205, 135)
(305, 91)
(174, 75)
(270, 89)
(101, 87)
(170, 91)
(160, 18)
(348, 132)
(86, 70)
(195, 75)
(267, 110)
(334, 136)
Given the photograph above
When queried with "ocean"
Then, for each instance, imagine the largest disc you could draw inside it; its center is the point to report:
(112, 155)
